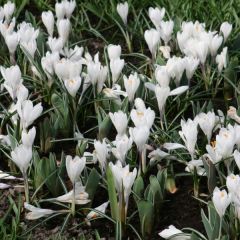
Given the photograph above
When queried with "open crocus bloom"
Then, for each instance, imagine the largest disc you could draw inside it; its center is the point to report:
(196, 164)
(36, 213)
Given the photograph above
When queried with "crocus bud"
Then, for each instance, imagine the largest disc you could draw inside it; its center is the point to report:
(114, 51)
(120, 122)
(28, 137)
(166, 29)
(162, 76)
(48, 21)
(226, 29)
(69, 7)
(116, 66)
(122, 9)
(8, 10)
(221, 200)
(156, 15)
(74, 167)
(233, 183)
(162, 94)
(63, 27)
(12, 42)
(221, 59)
(191, 65)
(214, 44)
(22, 156)
(101, 153)
(131, 85)
(152, 37)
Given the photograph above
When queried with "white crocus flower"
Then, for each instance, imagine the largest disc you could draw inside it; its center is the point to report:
(191, 65)
(233, 183)
(114, 51)
(221, 59)
(122, 145)
(13, 79)
(189, 135)
(48, 62)
(131, 85)
(48, 21)
(74, 167)
(6, 28)
(28, 137)
(213, 154)
(22, 156)
(143, 117)
(69, 7)
(124, 179)
(166, 29)
(162, 76)
(12, 42)
(103, 73)
(116, 66)
(28, 113)
(95, 212)
(152, 38)
(214, 44)
(115, 92)
(196, 164)
(101, 153)
(232, 113)
(60, 10)
(157, 155)
(171, 231)
(72, 85)
(8, 10)
(122, 9)
(221, 200)
(226, 29)
(63, 27)
(36, 213)
(206, 122)
(120, 122)
(236, 156)
(225, 141)
(139, 104)
(55, 44)
(140, 136)
(156, 15)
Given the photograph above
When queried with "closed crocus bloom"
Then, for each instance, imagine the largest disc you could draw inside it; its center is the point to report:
(48, 21)
(103, 73)
(8, 10)
(101, 153)
(165, 51)
(93, 69)
(55, 44)
(140, 136)
(169, 233)
(74, 167)
(166, 29)
(12, 42)
(60, 10)
(122, 145)
(225, 142)
(48, 62)
(144, 117)
(213, 154)
(202, 51)
(162, 94)
(131, 85)
(69, 7)
(22, 93)
(162, 76)
(124, 179)
(189, 135)
(28, 113)
(120, 122)
(191, 65)
(13, 79)
(72, 85)
(156, 15)
(226, 29)
(152, 38)
(22, 156)
(30, 47)
(221, 200)
(122, 9)
(221, 59)
(114, 51)
(236, 156)
(139, 104)
(28, 137)
(206, 122)
(116, 66)
(63, 27)
(214, 44)
(36, 213)
(233, 183)
(181, 40)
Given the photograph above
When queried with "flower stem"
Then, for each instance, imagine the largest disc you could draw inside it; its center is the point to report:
(220, 229)
(73, 200)
(26, 188)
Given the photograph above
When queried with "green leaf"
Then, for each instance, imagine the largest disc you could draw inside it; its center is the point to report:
(206, 224)
(138, 188)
